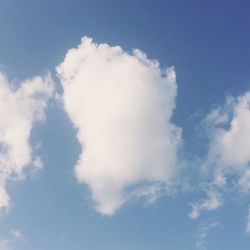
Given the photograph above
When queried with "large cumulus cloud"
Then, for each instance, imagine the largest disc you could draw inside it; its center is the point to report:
(121, 105)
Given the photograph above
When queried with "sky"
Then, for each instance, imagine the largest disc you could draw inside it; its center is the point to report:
(124, 125)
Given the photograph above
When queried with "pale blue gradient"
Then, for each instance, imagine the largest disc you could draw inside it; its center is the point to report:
(208, 42)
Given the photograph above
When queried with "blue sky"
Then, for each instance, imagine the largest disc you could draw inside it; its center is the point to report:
(56, 207)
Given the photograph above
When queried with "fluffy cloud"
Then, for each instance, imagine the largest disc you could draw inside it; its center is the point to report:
(228, 156)
(229, 152)
(230, 144)
(19, 109)
(121, 105)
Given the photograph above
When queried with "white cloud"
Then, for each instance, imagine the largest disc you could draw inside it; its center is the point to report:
(230, 142)
(248, 222)
(213, 201)
(244, 182)
(17, 234)
(12, 240)
(204, 231)
(228, 158)
(229, 152)
(19, 109)
(5, 244)
(121, 105)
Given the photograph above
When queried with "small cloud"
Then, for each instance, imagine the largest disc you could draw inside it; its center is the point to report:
(248, 222)
(204, 231)
(17, 234)
(226, 165)
(212, 202)
(12, 240)
(229, 127)
(20, 108)
(5, 244)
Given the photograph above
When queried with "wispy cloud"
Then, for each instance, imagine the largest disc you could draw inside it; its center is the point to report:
(248, 222)
(12, 240)
(228, 157)
(204, 232)
(213, 201)
(230, 125)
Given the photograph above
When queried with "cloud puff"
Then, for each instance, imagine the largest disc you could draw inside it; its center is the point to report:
(229, 152)
(121, 105)
(230, 144)
(228, 158)
(19, 109)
